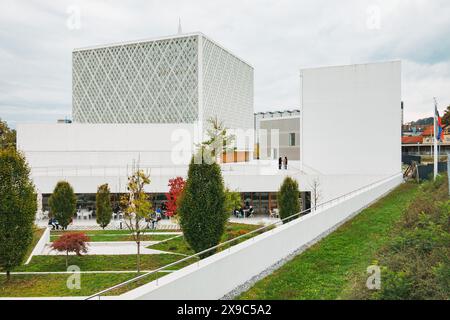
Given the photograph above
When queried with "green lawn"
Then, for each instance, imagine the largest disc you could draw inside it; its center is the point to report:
(55, 285)
(179, 244)
(98, 262)
(324, 270)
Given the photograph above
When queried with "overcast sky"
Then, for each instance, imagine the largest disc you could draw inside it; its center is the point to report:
(277, 37)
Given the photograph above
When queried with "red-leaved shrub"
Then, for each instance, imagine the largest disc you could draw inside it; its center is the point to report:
(71, 242)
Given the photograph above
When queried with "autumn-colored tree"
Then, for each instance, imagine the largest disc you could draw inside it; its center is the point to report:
(137, 208)
(71, 242)
(176, 188)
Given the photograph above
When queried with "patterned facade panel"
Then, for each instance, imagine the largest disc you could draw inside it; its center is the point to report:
(227, 87)
(142, 82)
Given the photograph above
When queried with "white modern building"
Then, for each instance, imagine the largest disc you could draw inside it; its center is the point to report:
(185, 79)
(278, 134)
(149, 101)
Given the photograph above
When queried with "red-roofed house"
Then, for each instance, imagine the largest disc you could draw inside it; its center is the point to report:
(412, 139)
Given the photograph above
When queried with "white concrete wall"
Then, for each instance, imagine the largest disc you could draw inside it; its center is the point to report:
(103, 145)
(45, 238)
(215, 276)
(351, 119)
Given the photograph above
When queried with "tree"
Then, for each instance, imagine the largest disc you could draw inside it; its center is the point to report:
(446, 117)
(315, 193)
(232, 200)
(288, 199)
(75, 242)
(18, 207)
(103, 205)
(219, 140)
(137, 208)
(7, 136)
(202, 206)
(63, 203)
(176, 186)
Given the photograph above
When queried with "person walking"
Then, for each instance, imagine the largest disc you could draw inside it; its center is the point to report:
(280, 160)
(285, 163)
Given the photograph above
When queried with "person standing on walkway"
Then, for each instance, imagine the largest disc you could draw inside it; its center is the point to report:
(285, 163)
(280, 160)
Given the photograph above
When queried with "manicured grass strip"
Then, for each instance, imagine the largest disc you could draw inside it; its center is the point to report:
(180, 246)
(99, 262)
(176, 245)
(324, 270)
(55, 285)
(119, 237)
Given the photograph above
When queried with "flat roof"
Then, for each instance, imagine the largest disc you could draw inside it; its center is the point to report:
(277, 111)
(174, 36)
(351, 65)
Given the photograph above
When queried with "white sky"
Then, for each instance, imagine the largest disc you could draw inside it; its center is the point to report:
(277, 37)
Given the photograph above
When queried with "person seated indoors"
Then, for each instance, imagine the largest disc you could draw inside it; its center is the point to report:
(250, 211)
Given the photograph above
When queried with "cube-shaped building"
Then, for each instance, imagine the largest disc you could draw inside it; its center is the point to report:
(186, 79)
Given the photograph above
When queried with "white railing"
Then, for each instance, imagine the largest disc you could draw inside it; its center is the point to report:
(318, 208)
(249, 168)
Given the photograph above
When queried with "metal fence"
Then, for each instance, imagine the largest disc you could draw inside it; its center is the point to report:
(324, 205)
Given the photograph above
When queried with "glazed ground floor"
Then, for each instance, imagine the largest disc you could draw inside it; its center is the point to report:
(262, 202)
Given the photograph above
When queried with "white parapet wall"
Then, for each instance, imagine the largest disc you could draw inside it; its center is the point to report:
(39, 248)
(216, 276)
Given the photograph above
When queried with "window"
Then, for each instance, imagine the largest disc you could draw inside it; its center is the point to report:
(292, 139)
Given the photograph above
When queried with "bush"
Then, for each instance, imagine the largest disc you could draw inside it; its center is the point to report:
(202, 206)
(416, 263)
(63, 203)
(103, 206)
(75, 242)
(288, 199)
(18, 207)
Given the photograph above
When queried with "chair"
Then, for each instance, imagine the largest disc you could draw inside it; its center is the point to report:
(274, 213)
(79, 215)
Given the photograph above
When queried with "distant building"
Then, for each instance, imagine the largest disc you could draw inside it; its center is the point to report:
(284, 125)
(423, 142)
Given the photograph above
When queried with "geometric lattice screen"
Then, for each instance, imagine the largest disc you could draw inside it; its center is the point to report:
(142, 82)
(157, 82)
(227, 87)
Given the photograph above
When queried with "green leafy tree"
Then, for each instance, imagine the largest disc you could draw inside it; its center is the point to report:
(219, 139)
(103, 205)
(63, 203)
(137, 209)
(446, 117)
(202, 208)
(288, 199)
(7, 136)
(232, 200)
(18, 207)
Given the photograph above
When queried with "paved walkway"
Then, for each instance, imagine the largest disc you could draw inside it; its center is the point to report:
(91, 224)
(255, 220)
